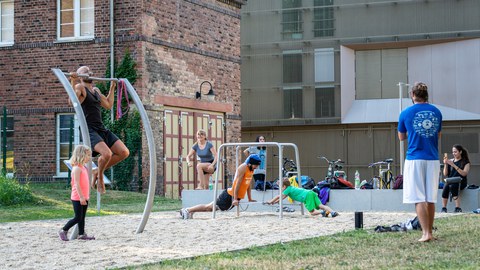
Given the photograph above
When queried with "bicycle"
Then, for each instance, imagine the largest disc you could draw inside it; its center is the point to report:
(289, 167)
(385, 176)
(334, 171)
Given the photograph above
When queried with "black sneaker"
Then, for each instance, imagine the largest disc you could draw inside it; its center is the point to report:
(444, 210)
(458, 210)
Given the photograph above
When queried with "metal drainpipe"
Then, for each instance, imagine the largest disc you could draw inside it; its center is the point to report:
(112, 60)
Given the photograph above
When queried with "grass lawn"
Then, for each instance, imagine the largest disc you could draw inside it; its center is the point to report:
(53, 201)
(457, 247)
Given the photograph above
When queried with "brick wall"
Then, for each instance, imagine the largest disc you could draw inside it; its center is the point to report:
(176, 44)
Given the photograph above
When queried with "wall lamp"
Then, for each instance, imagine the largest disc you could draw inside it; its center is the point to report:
(210, 95)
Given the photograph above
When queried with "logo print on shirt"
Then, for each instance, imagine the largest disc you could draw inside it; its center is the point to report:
(426, 123)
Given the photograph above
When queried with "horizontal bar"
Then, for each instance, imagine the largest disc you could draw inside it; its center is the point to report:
(93, 78)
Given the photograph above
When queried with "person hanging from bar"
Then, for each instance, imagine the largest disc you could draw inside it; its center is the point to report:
(104, 143)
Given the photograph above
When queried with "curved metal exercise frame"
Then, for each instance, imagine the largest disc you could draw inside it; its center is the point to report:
(280, 158)
(146, 124)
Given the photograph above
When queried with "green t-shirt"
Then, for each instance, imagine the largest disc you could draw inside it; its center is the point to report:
(296, 194)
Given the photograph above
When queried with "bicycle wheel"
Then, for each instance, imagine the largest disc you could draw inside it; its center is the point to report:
(389, 179)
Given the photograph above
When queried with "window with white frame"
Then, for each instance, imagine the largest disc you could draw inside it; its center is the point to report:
(75, 19)
(67, 134)
(6, 22)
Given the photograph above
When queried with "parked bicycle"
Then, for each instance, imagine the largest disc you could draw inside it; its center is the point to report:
(334, 169)
(385, 176)
(289, 167)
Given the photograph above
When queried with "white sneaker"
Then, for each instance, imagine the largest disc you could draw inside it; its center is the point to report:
(185, 214)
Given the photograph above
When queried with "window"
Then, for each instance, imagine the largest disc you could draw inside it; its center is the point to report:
(75, 19)
(6, 144)
(323, 18)
(6, 22)
(292, 66)
(324, 65)
(377, 73)
(324, 102)
(292, 20)
(67, 131)
(293, 103)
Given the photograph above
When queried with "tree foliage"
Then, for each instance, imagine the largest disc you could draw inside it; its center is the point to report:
(127, 128)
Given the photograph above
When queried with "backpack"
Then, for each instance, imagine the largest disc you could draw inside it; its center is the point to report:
(340, 183)
(398, 183)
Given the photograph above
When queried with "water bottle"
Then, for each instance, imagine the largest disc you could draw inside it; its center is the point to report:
(376, 183)
(357, 180)
(210, 183)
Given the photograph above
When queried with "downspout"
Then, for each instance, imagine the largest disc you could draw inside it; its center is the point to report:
(112, 59)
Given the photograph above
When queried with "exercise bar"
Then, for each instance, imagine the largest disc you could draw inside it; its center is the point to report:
(93, 78)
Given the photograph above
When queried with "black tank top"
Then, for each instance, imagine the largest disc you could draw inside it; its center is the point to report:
(91, 109)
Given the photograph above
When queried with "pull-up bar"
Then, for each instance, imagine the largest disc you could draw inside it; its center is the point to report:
(92, 78)
(146, 125)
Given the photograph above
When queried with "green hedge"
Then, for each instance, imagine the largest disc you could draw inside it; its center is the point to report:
(14, 193)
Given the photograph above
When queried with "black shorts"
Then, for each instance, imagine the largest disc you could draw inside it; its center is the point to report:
(224, 201)
(214, 168)
(97, 136)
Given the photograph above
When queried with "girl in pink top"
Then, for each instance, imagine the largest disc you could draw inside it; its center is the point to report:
(80, 192)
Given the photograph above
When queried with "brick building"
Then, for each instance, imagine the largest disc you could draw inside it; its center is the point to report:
(176, 45)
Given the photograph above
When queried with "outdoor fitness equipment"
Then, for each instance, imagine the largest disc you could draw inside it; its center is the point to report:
(86, 138)
(279, 146)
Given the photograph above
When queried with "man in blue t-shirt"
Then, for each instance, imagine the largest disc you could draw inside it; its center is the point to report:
(421, 124)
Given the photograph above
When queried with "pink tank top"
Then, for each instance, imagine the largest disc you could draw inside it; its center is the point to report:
(84, 185)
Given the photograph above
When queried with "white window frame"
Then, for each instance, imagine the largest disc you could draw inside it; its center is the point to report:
(76, 141)
(76, 23)
(8, 42)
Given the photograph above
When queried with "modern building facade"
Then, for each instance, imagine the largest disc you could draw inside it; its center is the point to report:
(177, 45)
(325, 74)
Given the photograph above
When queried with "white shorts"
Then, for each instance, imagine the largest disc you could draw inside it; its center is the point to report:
(420, 181)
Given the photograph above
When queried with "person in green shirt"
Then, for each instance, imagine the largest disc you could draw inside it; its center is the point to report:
(305, 196)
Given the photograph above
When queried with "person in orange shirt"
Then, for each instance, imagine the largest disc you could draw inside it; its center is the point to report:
(80, 192)
(230, 197)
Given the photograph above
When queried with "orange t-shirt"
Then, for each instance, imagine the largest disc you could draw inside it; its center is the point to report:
(244, 185)
(84, 185)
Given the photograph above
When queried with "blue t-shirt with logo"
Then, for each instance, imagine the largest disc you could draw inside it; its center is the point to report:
(422, 122)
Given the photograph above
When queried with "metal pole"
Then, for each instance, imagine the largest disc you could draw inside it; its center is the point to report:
(112, 62)
(4, 142)
(70, 147)
(152, 154)
(402, 143)
(92, 78)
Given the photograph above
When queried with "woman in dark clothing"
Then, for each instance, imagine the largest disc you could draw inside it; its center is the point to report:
(456, 167)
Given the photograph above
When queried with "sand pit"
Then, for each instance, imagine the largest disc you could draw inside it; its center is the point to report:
(35, 245)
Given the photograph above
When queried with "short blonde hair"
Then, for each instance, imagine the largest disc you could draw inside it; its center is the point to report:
(80, 155)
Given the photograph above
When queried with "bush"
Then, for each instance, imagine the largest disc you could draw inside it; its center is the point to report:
(14, 193)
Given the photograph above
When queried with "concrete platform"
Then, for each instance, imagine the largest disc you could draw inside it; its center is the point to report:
(345, 200)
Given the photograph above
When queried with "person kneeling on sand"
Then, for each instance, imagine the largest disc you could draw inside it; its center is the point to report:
(305, 196)
(230, 197)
